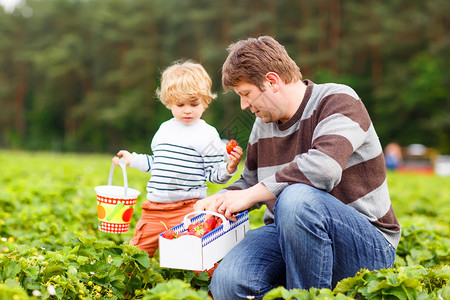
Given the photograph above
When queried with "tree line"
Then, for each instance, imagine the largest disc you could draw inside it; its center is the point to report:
(80, 75)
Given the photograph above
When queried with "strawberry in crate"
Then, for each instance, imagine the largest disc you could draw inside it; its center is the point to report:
(197, 229)
(205, 239)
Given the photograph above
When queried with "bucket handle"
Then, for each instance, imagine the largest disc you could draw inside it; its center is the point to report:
(124, 171)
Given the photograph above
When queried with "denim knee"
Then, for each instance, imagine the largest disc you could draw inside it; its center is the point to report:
(225, 283)
(294, 198)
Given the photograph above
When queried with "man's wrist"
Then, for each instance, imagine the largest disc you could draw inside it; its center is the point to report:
(260, 193)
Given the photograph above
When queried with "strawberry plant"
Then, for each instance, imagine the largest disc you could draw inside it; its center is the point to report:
(51, 248)
(175, 289)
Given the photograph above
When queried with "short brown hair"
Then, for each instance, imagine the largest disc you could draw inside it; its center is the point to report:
(185, 80)
(251, 59)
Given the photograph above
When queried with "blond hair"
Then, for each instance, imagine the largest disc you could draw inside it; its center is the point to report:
(185, 81)
(251, 59)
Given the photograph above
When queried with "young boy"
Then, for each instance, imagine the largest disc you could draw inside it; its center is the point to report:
(186, 153)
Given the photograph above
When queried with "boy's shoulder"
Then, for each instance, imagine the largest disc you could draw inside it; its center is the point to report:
(201, 127)
(207, 126)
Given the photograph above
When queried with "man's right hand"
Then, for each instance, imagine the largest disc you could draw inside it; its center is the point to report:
(210, 203)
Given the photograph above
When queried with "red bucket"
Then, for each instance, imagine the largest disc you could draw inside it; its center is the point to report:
(115, 204)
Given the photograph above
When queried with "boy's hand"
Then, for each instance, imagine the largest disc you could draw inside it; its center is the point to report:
(126, 157)
(235, 158)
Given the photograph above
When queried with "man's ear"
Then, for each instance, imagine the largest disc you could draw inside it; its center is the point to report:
(274, 81)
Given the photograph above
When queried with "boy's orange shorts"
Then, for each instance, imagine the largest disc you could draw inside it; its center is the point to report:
(149, 225)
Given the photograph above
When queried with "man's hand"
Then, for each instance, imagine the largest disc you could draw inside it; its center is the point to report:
(209, 203)
(233, 202)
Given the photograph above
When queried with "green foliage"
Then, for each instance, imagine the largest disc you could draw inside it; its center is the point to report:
(421, 246)
(313, 293)
(403, 283)
(81, 75)
(175, 289)
(11, 289)
(414, 282)
(85, 266)
(50, 245)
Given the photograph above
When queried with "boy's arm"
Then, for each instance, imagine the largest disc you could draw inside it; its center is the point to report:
(215, 161)
(247, 180)
(217, 172)
(143, 162)
(222, 172)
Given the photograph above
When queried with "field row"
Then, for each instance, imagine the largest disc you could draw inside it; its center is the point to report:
(50, 245)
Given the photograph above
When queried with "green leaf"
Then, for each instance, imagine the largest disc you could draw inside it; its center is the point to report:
(88, 251)
(395, 291)
(12, 282)
(275, 293)
(142, 259)
(87, 241)
(32, 271)
(72, 271)
(117, 275)
(203, 276)
(175, 289)
(11, 269)
(376, 285)
(118, 288)
(53, 269)
(11, 289)
(349, 285)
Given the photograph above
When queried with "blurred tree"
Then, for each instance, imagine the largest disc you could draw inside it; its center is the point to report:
(81, 75)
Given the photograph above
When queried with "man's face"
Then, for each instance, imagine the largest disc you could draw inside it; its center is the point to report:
(262, 103)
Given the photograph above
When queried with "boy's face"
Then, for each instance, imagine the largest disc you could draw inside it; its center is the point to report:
(187, 111)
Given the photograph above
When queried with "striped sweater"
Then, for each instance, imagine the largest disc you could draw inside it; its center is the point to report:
(330, 143)
(184, 157)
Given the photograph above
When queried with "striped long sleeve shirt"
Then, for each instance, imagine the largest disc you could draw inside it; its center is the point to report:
(184, 157)
(330, 143)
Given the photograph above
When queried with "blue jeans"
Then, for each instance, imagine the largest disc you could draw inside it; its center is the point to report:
(316, 241)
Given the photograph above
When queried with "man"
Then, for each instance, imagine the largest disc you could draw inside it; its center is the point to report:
(315, 160)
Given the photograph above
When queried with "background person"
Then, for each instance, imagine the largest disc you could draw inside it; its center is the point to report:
(393, 156)
(315, 160)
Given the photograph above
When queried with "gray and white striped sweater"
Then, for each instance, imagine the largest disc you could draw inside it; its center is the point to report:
(330, 143)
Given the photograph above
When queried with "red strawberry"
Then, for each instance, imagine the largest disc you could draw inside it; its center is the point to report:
(210, 223)
(219, 221)
(199, 230)
(230, 146)
(169, 234)
(192, 228)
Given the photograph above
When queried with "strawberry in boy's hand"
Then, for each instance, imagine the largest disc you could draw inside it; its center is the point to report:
(235, 154)
(230, 146)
